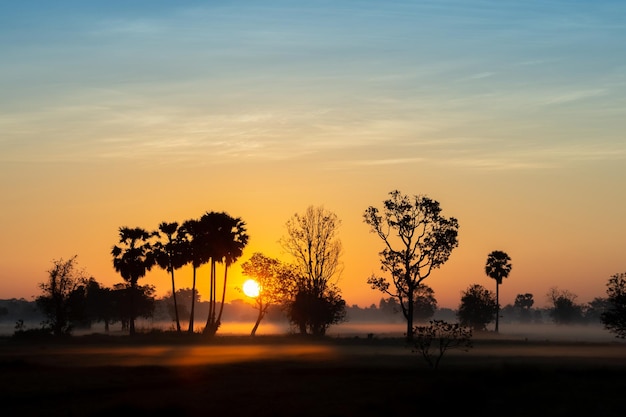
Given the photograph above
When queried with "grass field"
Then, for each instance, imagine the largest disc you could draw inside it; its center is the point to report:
(156, 375)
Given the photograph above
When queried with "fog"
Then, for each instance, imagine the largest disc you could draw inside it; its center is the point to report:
(530, 332)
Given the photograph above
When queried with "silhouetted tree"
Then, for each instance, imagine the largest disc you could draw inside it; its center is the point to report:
(439, 336)
(595, 308)
(311, 239)
(498, 267)
(614, 318)
(101, 304)
(171, 255)
(193, 235)
(418, 239)
(564, 309)
(132, 259)
(425, 303)
(478, 307)
(225, 238)
(278, 283)
(62, 301)
(524, 303)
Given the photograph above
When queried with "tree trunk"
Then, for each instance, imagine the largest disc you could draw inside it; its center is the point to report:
(497, 305)
(193, 302)
(175, 303)
(258, 321)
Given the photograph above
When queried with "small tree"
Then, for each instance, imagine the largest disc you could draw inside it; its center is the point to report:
(478, 308)
(498, 266)
(434, 340)
(614, 318)
(524, 302)
(564, 308)
(277, 281)
(425, 303)
(62, 301)
(417, 240)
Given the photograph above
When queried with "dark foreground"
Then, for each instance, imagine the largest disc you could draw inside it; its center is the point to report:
(283, 376)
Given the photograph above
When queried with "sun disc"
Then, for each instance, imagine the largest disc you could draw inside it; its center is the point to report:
(251, 288)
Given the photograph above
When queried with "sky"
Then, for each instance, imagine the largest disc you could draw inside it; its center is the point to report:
(510, 114)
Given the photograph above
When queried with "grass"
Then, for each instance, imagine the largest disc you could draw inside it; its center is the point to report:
(163, 374)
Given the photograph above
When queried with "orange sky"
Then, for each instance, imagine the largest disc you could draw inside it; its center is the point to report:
(512, 119)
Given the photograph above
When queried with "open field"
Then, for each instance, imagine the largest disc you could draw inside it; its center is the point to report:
(294, 376)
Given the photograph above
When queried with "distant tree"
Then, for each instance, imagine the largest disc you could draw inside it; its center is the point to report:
(62, 300)
(435, 339)
(101, 304)
(311, 239)
(498, 267)
(595, 308)
(425, 303)
(133, 258)
(614, 318)
(478, 307)
(171, 254)
(524, 302)
(133, 302)
(417, 238)
(564, 309)
(278, 283)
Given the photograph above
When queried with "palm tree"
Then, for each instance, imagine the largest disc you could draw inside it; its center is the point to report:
(498, 266)
(132, 259)
(170, 255)
(191, 230)
(224, 239)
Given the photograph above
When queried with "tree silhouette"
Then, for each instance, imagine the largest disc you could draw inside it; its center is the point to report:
(62, 301)
(498, 266)
(478, 307)
(614, 318)
(277, 281)
(433, 340)
(524, 303)
(425, 303)
(311, 239)
(564, 308)
(224, 238)
(417, 238)
(132, 259)
(170, 255)
(191, 230)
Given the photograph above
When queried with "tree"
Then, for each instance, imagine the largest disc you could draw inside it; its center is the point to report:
(224, 238)
(614, 318)
(564, 308)
(418, 239)
(478, 307)
(62, 301)
(171, 255)
(191, 230)
(132, 259)
(439, 336)
(524, 303)
(498, 266)
(101, 304)
(425, 303)
(311, 239)
(277, 281)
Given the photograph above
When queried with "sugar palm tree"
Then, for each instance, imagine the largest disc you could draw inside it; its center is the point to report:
(224, 238)
(170, 255)
(498, 267)
(132, 259)
(193, 238)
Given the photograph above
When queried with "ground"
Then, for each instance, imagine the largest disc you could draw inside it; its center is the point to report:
(295, 376)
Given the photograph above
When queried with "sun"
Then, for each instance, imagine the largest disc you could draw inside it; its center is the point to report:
(251, 288)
